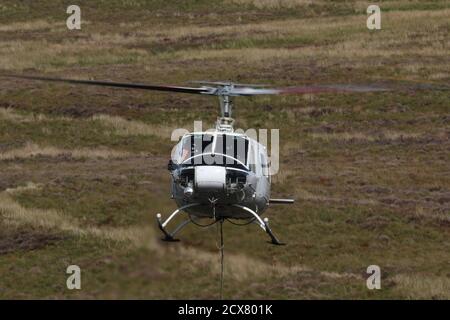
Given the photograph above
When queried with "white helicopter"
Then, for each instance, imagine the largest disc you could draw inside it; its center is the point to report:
(219, 175)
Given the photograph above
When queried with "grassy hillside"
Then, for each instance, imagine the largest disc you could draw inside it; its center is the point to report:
(83, 169)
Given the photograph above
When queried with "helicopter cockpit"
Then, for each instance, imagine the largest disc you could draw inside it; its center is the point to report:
(212, 148)
(217, 165)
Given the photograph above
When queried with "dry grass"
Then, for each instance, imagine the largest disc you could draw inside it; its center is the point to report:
(298, 4)
(404, 24)
(133, 128)
(275, 4)
(31, 150)
(424, 213)
(423, 287)
(303, 194)
(352, 49)
(19, 55)
(240, 267)
(30, 186)
(283, 175)
(11, 115)
(397, 29)
(119, 125)
(34, 25)
(366, 137)
(13, 213)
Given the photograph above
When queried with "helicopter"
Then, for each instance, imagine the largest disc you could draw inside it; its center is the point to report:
(220, 175)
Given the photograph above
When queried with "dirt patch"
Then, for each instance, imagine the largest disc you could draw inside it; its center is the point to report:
(25, 240)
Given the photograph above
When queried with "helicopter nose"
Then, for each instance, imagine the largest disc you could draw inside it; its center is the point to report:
(210, 178)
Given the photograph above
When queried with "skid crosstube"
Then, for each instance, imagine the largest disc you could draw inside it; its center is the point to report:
(169, 236)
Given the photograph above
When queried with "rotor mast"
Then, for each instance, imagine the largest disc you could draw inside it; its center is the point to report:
(225, 121)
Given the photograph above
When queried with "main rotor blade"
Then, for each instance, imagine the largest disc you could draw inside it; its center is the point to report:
(332, 89)
(338, 88)
(235, 90)
(201, 90)
(405, 86)
(243, 91)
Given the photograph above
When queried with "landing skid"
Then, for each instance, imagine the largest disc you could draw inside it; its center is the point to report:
(264, 224)
(169, 236)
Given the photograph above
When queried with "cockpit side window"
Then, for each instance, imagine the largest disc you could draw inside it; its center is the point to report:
(186, 149)
(191, 145)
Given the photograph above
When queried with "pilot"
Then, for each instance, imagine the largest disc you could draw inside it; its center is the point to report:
(185, 153)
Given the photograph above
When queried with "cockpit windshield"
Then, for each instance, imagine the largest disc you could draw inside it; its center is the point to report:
(212, 149)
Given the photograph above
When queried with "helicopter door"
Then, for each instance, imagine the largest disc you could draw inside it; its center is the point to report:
(262, 171)
(252, 162)
(264, 162)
